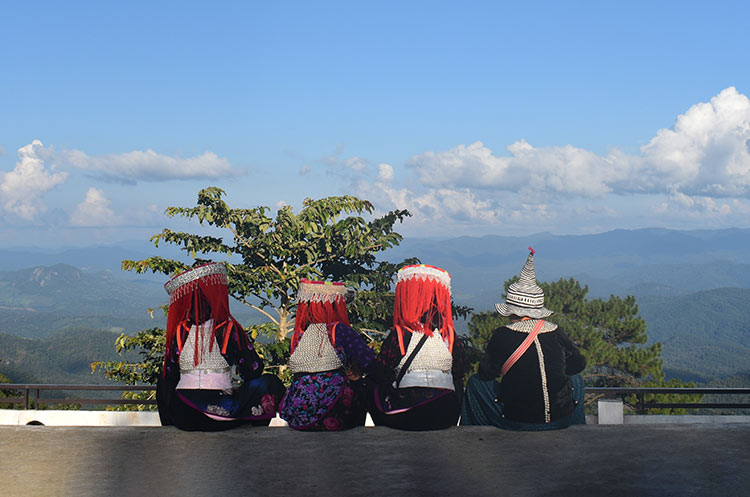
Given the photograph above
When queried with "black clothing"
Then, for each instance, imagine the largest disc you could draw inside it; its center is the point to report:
(522, 386)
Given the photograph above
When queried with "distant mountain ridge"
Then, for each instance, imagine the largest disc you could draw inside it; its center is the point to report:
(37, 301)
(704, 335)
(693, 287)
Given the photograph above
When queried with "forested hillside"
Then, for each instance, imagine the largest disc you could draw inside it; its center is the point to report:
(705, 335)
(63, 357)
(681, 281)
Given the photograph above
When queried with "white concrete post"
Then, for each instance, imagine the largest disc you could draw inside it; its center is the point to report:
(610, 412)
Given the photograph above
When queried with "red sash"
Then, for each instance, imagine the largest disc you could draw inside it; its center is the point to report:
(522, 348)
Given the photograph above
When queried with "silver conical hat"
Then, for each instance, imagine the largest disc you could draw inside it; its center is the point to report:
(525, 297)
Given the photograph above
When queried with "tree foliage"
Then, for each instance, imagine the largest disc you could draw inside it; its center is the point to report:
(328, 239)
(609, 333)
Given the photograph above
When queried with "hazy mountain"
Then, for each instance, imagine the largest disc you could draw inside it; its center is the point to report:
(63, 357)
(620, 262)
(35, 302)
(704, 335)
(692, 286)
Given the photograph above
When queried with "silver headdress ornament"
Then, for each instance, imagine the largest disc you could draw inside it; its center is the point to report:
(214, 273)
(525, 298)
(321, 291)
(424, 271)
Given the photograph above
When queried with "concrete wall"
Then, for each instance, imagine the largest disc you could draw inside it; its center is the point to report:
(151, 418)
(88, 418)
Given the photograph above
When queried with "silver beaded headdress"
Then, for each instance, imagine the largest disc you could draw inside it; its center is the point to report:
(320, 291)
(214, 273)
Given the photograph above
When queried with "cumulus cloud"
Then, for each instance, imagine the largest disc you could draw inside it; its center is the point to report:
(434, 205)
(706, 153)
(22, 189)
(695, 204)
(385, 173)
(148, 165)
(356, 164)
(94, 210)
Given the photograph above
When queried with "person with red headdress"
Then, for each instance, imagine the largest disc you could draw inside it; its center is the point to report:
(203, 344)
(421, 364)
(327, 360)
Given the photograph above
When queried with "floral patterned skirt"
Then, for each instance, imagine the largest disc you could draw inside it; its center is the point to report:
(325, 401)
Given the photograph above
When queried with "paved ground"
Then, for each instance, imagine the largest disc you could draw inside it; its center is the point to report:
(662, 460)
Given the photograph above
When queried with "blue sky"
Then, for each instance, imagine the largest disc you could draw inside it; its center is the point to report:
(480, 118)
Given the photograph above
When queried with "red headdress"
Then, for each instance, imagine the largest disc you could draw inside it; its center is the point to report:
(197, 295)
(319, 302)
(423, 302)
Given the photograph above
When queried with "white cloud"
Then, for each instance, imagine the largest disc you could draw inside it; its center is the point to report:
(21, 189)
(695, 204)
(706, 153)
(385, 173)
(94, 211)
(148, 165)
(356, 164)
(434, 205)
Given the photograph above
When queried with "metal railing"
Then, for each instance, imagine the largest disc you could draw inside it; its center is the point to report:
(641, 405)
(31, 394)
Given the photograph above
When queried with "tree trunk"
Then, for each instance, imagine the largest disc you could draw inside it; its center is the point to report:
(286, 323)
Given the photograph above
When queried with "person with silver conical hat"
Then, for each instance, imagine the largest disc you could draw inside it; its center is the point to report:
(540, 388)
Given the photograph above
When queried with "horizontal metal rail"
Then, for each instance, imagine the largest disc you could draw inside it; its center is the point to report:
(606, 392)
(641, 405)
(37, 389)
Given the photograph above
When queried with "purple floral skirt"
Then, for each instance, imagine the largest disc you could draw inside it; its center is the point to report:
(325, 401)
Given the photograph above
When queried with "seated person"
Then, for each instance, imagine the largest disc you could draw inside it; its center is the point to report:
(536, 361)
(420, 367)
(203, 343)
(327, 360)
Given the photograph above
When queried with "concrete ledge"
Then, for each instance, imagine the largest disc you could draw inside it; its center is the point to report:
(79, 418)
(652, 419)
(614, 460)
(151, 418)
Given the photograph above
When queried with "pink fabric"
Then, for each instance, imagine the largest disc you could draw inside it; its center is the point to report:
(522, 348)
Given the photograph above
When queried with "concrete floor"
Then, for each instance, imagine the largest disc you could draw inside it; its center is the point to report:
(625, 460)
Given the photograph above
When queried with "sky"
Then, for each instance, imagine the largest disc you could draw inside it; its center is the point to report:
(504, 118)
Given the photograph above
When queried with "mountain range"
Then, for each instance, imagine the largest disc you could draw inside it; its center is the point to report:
(692, 287)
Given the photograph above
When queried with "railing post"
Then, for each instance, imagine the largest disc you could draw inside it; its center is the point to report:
(36, 399)
(610, 412)
(26, 399)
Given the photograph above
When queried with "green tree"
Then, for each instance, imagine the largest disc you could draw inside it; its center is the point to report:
(7, 393)
(327, 239)
(609, 333)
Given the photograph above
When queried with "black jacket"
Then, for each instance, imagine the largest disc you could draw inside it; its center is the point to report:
(522, 393)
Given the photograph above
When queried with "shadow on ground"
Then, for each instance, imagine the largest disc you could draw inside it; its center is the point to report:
(625, 460)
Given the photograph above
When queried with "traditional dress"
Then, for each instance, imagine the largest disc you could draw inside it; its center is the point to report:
(540, 387)
(421, 364)
(327, 359)
(204, 343)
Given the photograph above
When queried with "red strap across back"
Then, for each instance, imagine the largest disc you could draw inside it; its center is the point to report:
(522, 348)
